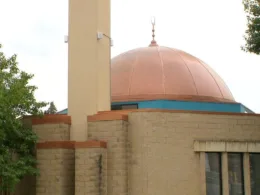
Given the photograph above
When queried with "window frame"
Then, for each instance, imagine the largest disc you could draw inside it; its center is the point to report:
(220, 171)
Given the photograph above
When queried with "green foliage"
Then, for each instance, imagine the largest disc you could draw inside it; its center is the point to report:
(252, 35)
(17, 142)
(52, 109)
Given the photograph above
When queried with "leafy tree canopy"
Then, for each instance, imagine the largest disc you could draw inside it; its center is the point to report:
(252, 34)
(17, 142)
(52, 109)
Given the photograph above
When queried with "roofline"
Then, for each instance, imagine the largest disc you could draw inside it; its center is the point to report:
(247, 109)
(61, 111)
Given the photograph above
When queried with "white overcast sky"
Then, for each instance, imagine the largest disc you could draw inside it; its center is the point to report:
(210, 30)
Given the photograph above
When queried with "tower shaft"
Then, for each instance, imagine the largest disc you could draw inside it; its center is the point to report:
(88, 62)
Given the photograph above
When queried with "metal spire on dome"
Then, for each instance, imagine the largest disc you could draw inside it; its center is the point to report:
(153, 42)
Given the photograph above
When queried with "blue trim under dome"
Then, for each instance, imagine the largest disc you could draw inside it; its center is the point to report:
(179, 105)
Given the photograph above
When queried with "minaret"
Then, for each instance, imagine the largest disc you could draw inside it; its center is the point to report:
(88, 62)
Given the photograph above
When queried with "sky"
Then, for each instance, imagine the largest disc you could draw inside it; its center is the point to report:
(210, 30)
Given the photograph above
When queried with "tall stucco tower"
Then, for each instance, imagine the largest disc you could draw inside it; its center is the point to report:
(88, 61)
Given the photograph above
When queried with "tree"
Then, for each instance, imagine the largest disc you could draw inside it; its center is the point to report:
(17, 142)
(252, 34)
(52, 109)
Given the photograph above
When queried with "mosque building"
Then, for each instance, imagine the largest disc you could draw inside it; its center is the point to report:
(154, 121)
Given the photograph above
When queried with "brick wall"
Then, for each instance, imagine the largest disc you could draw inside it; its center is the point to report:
(56, 162)
(161, 154)
(115, 133)
(90, 169)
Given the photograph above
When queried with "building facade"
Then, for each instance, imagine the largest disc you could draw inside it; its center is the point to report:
(165, 124)
(163, 135)
(150, 152)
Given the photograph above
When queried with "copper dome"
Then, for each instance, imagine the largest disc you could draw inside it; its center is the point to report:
(154, 73)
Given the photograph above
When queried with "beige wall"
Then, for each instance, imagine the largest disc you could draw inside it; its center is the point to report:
(88, 179)
(162, 158)
(115, 133)
(151, 153)
(57, 169)
(157, 149)
(52, 132)
(88, 61)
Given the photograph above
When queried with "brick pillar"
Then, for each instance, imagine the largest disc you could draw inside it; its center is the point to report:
(113, 129)
(56, 163)
(90, 168)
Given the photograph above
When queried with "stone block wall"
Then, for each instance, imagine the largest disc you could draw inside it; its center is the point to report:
(90, 168)
(59, 170)
(48, 128)
(52, 128)
(152, 151)
(56, 163)
(52, 132)
(162, 157)
(114, 132)
(148, 152)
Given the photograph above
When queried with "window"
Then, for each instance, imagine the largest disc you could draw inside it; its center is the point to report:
(124, 107)
(240, 172)
(255, 173)
(235, 173)
(213, 174)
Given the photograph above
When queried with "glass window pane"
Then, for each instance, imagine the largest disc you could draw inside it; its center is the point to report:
(255, 173)
(124, 107)
(213, 174)
(116, 107)
(130, 106)
(235, 173)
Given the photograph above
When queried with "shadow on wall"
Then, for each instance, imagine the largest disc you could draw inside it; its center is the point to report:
(27, 186)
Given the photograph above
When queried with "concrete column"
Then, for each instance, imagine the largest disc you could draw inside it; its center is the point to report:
(247, 182)
(202, 173)
(224, 162)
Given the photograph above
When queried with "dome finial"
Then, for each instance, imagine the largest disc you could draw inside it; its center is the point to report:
(153, 42)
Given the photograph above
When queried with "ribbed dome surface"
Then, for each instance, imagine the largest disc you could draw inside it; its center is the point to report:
(154, 73)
